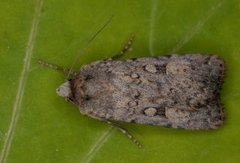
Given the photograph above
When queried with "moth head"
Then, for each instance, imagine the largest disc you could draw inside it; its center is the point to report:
(64, 90)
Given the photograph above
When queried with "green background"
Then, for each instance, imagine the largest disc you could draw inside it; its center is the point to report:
(38, 126)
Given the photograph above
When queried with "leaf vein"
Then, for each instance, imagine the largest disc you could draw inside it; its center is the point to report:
(97, 145)
(197, 27)
(22, 83)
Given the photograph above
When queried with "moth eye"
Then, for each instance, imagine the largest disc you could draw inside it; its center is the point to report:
(69, 99)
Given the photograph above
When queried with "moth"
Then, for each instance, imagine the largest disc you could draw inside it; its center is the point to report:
(177, 91)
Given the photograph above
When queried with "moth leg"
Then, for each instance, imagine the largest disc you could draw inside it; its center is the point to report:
(126, 47)
(58, 68)
(125, 132)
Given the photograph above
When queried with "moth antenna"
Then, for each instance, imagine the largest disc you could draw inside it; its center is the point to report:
(57, 68)
(89, 42)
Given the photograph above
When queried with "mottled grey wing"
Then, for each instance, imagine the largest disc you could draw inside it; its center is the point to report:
(179, 91)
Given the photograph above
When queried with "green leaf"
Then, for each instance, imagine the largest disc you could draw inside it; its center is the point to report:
(38, 126)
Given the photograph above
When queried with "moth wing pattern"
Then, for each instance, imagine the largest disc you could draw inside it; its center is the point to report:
(179, 91)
